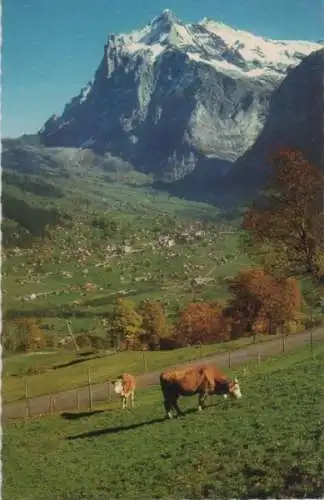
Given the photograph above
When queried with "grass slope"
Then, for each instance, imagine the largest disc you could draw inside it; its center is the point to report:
(268, 445)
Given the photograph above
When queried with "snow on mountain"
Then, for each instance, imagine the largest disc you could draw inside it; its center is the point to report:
(230, 50)
(261, 52)
(170, 93)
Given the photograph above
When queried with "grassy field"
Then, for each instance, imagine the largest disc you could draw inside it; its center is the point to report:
(270, 444)
(51, 372)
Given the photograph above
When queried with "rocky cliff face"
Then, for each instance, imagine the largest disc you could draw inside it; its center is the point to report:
(169, 95)
(295, 120)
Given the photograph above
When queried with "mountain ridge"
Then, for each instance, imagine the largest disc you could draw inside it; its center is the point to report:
(171, 94)
(295, 121)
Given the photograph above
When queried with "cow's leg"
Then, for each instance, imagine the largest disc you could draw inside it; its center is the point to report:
(176, 406)
(124, 402)
(167, 406)
(132, 398)
(201, 401)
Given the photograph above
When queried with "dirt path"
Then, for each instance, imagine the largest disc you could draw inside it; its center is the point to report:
(70, 400)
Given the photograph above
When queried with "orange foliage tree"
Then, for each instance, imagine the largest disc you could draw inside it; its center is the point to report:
(288, 217)
(201, 322)
(154, 323)
(262, 303)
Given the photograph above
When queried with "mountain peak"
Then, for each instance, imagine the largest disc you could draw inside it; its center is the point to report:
(165, 29)
(170, 92)
(166, 16)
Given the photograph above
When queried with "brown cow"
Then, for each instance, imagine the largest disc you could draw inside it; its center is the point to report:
(125, 385)
(204, 380)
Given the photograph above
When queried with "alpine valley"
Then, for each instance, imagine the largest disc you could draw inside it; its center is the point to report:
(191, 109)
(137, 191)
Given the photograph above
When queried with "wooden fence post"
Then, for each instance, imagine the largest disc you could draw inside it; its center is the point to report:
(229, 359)
(27, 399)
(259, 358)
(145, 361)
(50, 410)
(93, 386)
(283, 339)
(51, 405)
(89, 389)
(77, 401)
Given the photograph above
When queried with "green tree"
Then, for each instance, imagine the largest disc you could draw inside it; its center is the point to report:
(126, 323)
(154, 322)
(29, 335)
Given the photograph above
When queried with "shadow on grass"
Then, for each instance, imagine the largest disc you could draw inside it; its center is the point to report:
(75, 416)
(73, 362)
(115, 430)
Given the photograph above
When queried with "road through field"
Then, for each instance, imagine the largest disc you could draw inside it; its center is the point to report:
(79, 398)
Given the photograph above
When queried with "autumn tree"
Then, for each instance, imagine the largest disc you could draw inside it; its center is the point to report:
(247, 300)
(287, 220)
(29, 335)
(154, 323)
(200, 322)
(261, 303)
(290, 306)
(126, 323)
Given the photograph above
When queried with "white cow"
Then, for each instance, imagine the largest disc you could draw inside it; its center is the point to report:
(125, 386)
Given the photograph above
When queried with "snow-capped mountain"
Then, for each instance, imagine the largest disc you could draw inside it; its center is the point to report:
(169, 94)
(231, 51)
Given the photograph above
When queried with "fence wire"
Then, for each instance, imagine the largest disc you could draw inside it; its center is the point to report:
(85, 398)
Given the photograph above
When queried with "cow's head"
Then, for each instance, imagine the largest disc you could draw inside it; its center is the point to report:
(118, 386)
(234, 389)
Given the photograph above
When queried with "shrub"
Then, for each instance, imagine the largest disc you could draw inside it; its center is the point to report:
(83, 340)
(97, 342)
(169, 343)
(154, 342)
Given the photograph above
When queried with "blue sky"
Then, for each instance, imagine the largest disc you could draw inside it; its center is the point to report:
(51, 48)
